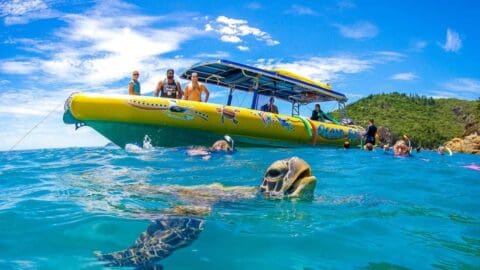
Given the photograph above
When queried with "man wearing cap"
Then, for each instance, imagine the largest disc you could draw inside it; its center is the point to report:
(193, 91)
(134, 84)
(169, 87)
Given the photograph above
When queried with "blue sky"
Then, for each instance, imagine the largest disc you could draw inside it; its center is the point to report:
(51, 48)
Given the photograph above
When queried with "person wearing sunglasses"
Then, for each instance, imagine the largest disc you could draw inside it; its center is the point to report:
(134, 84)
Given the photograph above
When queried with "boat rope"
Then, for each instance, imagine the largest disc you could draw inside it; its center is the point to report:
(30, 131)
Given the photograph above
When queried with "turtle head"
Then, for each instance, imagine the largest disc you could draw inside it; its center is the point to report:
(291, 178)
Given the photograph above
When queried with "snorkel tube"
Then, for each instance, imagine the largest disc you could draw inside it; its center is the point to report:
(230, 141)
(407, 139)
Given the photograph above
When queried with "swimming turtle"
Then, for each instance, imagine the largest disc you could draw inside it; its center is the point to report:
(178, 226)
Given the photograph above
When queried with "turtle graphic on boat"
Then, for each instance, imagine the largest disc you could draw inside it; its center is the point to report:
(174, 107)
(228, 113)
(180, 225)
(265, 117)
(285, 123)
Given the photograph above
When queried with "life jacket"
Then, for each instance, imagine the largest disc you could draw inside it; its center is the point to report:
(169, 90)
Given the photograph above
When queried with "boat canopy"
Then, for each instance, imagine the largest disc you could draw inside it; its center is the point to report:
(281, 84)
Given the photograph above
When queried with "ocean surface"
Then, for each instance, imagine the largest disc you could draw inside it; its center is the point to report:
(371, 210)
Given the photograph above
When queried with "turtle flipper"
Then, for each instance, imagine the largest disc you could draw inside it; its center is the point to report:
(161, 238)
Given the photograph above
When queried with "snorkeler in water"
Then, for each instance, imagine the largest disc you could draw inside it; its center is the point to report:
(400, 148)
(225, 146)
(443, 149)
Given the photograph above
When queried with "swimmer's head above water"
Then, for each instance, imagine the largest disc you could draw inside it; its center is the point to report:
(221, 145)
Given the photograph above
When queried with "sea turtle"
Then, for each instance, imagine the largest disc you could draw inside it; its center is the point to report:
(178, 226)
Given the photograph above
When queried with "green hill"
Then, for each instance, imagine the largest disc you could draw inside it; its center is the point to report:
(429, 122)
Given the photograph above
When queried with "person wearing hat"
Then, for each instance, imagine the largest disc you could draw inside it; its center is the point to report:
(193, 91)
(134, 84)
(270, 107)
(169, 87)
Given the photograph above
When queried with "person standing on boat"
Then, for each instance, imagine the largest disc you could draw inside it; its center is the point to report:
(270, 107)
(193, 91)
(370, 133)
(319, 115)
(169, 87)
(134, 84)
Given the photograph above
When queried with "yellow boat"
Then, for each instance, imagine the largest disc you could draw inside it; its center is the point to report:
(170, 122)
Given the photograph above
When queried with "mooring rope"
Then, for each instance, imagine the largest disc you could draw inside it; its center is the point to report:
(41, 121)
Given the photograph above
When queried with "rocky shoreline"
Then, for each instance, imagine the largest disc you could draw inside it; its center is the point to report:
(469, 144)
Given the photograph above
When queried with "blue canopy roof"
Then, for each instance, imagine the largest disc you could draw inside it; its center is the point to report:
(286, 86)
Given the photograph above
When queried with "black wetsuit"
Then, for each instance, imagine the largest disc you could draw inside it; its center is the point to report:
(370, 136)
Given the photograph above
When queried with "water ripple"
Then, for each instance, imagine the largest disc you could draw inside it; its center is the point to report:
(370, 211)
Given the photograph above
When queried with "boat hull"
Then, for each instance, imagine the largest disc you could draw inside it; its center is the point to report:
(128, 119)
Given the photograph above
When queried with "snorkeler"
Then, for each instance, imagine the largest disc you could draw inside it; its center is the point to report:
(368, 147)
(386, 148)
(442, 149)
(401, 148)
(225, 146)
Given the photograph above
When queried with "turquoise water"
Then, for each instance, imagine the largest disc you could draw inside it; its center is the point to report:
(371, 210)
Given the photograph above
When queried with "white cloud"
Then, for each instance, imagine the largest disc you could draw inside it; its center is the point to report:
(345, 4)
(102, 46)
(453, 42)
(322, 69)
(359, 31)
(234, 30)
(301, 10)
(463, 88)
(387, 56)
(418, 46)
(30, 102)
(443, 94)
(230, 39)
(23, 11)
(20, 7)
(333, 68)
(408, 76)
(218, 54)
(18, 67)
(463, 85)
(90, 53)
(254, 6)
(243, 48)
(230, 21)
(32, 45)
